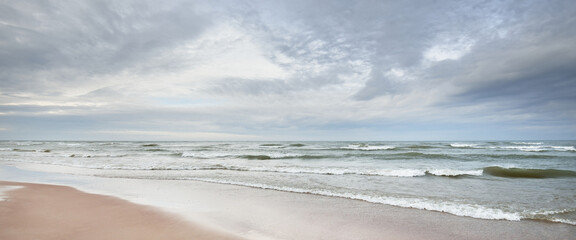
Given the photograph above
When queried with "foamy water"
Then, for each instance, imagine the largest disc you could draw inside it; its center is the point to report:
(487, 180)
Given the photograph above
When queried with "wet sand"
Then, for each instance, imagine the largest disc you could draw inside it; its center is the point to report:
(38, 211)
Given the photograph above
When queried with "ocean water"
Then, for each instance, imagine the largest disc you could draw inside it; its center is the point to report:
(508, 180)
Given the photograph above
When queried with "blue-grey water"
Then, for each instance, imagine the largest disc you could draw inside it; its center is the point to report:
(509, 180)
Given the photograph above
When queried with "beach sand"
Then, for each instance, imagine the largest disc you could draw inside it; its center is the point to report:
(38, 211)
(214, 210)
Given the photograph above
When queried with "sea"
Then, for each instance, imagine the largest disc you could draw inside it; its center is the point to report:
(504, 180)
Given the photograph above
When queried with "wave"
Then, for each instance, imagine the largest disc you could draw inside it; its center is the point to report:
(23, 150)
(284, 156)
(527, 173)
(156, 150)
(459, 209)
(297, 145)
(401, 173)
(454, 173)
(518, 146)
(555, 215)
(464, 145)
(513, 156)
(257, 157)
(365, 147)
(528, 143)
(271, 145)
(366, 172)
(420, 147)
(411, 155)
(150, 145)
(79, 155)
(155, 167)
(537, 148)
(454, 208)
(201, 155)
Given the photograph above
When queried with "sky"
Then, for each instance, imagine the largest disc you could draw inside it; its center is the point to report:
(290, 70)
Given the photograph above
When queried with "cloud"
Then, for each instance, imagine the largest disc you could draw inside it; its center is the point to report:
(48, 43)
(528, 73)
(174, 136)
(284, 69)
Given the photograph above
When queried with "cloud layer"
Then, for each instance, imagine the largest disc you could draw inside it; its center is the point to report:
(287, 70)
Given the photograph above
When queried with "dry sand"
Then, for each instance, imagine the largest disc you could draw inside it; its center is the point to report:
(44, 212)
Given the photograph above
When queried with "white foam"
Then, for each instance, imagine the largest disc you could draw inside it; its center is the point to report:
(537, 148)
(524, 148)
(548, 215)
(454, 173)
(336, 171)
(206, 155)
(360, 171)
(563, 148)
(528, 143)
(399, 172)
(459, 209)
(284, 155)
(463, 145)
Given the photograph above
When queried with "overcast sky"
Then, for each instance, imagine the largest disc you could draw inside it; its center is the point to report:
(287, 70)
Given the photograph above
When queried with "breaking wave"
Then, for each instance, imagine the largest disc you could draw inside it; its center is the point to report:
(459, 209)
(366, 147)
(527, 173)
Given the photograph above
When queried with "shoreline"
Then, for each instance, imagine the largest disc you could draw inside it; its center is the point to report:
(42, 211)
(269, 214)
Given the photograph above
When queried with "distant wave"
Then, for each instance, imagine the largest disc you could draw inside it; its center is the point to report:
(83, 155)
(366, 172)
(150, 145)
(420, 147)
(297, 145)
(156, 150)
(527, 173)
(463, 145)
(537, 148)
(402, 173)
(268, 156)
(421, 155)
(279, 145)
(513, 156)
(528, 143)
(365, 147)
(519, 146)
(271, 145)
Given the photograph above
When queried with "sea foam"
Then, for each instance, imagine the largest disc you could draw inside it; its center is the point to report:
(459, 209)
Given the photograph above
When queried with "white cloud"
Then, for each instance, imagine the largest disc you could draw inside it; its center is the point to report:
(449, 49)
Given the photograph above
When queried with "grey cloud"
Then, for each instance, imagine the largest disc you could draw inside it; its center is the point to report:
(259, 87)
(379, 84)
(89, 37)
(533, 67)
(384, 34)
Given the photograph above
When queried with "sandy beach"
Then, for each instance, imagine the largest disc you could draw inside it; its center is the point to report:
(38, 211)
(168, 209)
